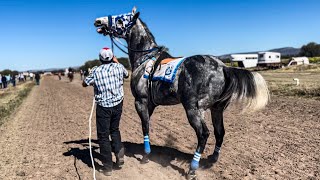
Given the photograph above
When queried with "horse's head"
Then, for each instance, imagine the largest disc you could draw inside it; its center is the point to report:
(117, 25)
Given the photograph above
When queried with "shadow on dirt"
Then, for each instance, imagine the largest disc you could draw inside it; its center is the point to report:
(165, 156)
(83, 154)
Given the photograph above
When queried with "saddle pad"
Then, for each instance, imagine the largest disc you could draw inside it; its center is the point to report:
(165, 72)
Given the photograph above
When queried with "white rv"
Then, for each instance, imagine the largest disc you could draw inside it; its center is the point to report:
(245, 60)
(298, 61)
(269, 58)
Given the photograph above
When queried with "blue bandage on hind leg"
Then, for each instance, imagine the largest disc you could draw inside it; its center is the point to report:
(195, 161)
(147, 148)
(217, 149)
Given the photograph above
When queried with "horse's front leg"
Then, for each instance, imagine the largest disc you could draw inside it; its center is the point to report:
(145, 110)
(196, 120)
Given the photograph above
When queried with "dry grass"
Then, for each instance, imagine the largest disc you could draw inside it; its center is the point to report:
(301, 68)
(281, 81)
(12, 97)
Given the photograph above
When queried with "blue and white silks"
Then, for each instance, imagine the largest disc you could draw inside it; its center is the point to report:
(165, 72)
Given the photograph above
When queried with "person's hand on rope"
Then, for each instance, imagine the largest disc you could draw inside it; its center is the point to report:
(115, 59)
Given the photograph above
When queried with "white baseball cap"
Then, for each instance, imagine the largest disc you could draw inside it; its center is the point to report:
(105, 54)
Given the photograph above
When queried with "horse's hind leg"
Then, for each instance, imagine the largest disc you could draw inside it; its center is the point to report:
(145, 111)
(196, 120)
(217, 121)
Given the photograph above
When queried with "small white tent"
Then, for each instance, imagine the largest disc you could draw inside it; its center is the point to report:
(298, 61)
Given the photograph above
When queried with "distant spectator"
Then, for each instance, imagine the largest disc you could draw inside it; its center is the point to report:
(81, 74)
(37, 78)
(59, 75)
(85, 74)
(4, 81)
(13, 80)
(70, 70)
(0, 81)
(21, 78)
(31, 76)
(8, 79)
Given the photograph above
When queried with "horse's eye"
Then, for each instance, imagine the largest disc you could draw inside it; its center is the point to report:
(120, 22)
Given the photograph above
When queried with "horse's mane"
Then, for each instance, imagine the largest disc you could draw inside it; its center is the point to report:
(147, 29)
(165, 49)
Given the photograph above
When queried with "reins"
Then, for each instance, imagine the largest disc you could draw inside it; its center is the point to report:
(113, 39)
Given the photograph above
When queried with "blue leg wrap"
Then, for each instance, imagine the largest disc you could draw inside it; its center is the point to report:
(147, 148)
(217, 149)
(195, 161)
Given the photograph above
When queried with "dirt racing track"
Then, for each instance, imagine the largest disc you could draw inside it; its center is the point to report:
(46, 138)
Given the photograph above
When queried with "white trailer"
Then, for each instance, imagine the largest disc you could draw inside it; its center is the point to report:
(245, 60)
(269, 59)
(298, 61)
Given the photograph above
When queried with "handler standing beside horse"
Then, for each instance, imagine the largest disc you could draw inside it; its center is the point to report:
(107, 80)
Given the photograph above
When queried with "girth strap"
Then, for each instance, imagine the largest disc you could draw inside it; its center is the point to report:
(155, 66)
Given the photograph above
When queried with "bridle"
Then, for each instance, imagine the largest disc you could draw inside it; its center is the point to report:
(112, 32)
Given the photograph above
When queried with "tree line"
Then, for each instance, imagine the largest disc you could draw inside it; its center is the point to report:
(8, 71)
(311, 49)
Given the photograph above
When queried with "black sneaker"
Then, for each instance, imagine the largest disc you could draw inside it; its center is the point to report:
(120, 158)
(107, 171)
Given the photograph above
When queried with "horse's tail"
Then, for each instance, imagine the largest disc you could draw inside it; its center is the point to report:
(245, 86)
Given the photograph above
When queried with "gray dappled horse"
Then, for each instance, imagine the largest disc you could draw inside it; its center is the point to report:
(202, 82)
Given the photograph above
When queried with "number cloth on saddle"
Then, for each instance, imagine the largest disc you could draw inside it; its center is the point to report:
(165, 71)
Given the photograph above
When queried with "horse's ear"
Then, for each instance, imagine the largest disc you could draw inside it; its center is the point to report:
(136, 16)
(134, 10)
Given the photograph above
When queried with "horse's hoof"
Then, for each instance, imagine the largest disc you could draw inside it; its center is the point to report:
(191, 175)
(145, 159)
(213, 158)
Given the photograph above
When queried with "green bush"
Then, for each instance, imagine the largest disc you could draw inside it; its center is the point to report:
(314, 59)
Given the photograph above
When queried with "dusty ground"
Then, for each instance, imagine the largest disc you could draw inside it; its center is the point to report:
(47, 139)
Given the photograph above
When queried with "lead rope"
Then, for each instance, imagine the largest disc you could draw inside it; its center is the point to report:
(90, 146)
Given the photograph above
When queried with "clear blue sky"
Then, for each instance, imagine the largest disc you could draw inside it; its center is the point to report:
(39, 34)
